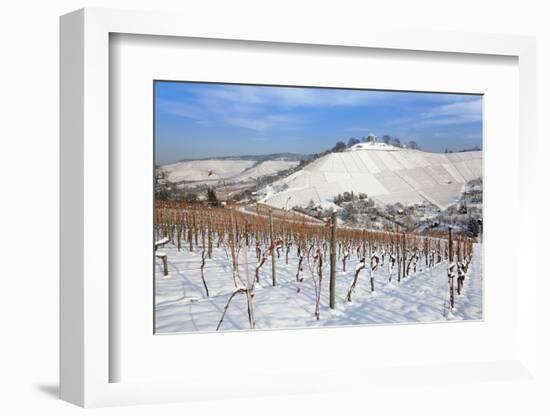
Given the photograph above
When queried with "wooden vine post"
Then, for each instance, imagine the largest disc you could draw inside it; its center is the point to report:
(249, 287)
(451, 256)
(209, 236)
(332, 283)
(165, 264)
(273, 264)
(398, 262)
(190, 237)
(364, 253)
(451, 276)
(403, 254)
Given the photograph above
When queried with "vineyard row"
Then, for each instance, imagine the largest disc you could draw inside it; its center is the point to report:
(197, 228)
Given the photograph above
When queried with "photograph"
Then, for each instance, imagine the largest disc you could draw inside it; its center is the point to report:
(293, 207)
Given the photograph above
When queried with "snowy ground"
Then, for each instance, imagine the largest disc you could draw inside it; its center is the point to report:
(181, 304)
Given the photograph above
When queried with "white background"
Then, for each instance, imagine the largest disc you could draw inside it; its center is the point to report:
(29, 163)
(138, 60)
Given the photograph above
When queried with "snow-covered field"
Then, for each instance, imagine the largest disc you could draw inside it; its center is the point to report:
(181, 304)
(386, 174)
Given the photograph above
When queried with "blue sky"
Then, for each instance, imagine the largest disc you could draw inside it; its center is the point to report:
(197, 120)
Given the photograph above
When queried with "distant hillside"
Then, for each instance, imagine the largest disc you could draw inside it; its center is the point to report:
(296, 157)
(384, 173)
(209, 171)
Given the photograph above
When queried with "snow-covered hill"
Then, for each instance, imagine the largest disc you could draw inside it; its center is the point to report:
(232, 170)
(385, 173)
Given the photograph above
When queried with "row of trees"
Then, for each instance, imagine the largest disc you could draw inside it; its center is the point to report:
(469, 149)
(340, 146)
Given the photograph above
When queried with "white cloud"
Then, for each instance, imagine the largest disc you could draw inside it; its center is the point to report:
(244, 98)
(262, 123)
(304, 97)
(180, 109)
(248, 107)
(252, 124)
(455, 113)
(468, 110)
(261, 108)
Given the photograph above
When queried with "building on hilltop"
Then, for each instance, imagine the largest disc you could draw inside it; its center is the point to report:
(371, 138)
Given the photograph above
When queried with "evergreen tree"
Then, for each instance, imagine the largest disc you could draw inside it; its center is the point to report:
(353, 141)
(211, 197)
(339, 147)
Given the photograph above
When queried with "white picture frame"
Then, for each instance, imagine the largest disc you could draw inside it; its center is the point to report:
(86, 355)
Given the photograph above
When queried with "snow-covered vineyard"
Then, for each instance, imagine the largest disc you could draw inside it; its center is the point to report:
(387, 174)
(214, 270)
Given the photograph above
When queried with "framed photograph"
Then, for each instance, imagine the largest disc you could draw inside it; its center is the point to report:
(302, 202)
(264, 221)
